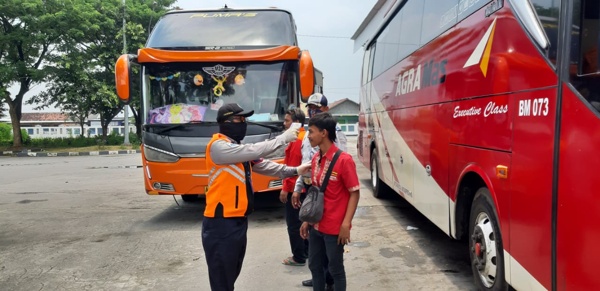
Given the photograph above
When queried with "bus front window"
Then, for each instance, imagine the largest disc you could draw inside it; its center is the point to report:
(188, 93)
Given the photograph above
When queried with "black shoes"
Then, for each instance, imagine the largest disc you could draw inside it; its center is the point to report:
(309, 283)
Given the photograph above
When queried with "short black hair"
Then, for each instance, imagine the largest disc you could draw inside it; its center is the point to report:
(326, 121)
(297, 115)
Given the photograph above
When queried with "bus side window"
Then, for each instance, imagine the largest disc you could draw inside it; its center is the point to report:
(585, 38)
(438, 16)
(410, 28)
(549, 13)
(365, 73)
(589, 32)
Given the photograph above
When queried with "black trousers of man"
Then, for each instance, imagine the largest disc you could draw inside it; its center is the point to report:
(297, 243)
(224, 241)
(328, 277)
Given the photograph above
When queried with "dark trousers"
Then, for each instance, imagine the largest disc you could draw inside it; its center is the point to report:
(328, 278)
(224, 242)
(297, 243)
(323, 248)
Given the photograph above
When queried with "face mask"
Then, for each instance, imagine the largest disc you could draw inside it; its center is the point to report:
(235, 131)
(313, 112)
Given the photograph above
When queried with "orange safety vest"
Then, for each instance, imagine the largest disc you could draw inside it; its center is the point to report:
(227, 195)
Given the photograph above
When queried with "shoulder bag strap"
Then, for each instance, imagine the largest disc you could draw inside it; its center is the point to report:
(326, 180)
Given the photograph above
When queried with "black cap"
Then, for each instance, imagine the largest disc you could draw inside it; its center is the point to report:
(232, 109)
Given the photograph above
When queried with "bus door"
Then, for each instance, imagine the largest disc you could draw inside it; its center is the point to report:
(527, 245)
(576, 193)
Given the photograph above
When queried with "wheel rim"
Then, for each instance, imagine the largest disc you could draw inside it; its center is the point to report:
(483, 248)
(374, 173)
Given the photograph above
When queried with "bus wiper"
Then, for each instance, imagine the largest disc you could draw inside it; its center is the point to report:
(272, 127)
(170, 127)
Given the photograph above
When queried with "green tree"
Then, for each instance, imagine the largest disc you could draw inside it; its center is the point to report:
(141, 15)
(3, 95)
(70, 87)
(5, 132)
(136, 101)
(82, 79)
(31, 33)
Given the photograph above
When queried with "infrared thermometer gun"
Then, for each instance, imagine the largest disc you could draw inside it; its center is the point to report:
(297, 126)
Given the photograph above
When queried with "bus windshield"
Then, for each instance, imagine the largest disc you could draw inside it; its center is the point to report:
(193, 92)
(222, 30)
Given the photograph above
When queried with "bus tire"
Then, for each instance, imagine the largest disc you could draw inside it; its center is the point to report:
(485, 244)
(376, 183)
(190, 198)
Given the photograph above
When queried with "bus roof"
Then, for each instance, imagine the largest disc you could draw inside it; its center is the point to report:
(373, 22)
(205, 29)
(227, 10)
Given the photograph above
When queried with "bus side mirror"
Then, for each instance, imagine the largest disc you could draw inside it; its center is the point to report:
(307, 76)
(123, 78)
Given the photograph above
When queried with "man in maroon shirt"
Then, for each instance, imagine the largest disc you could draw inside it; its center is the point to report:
(293, 157)
(328, 237)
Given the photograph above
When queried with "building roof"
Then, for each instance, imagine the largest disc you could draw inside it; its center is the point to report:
(336, 103)
(48, 117)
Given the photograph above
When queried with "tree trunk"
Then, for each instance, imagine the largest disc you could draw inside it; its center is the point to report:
(104, 131)
(138, 122)
(15, 118)
(81, 124)
(14, 108)
(138, 128)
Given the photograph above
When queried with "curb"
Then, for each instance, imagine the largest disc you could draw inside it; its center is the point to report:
(67, 154)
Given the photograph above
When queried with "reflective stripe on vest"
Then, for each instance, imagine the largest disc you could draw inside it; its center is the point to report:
(227, 194)
(231, 169)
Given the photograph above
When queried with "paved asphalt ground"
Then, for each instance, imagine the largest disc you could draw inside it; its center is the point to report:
(85, 223)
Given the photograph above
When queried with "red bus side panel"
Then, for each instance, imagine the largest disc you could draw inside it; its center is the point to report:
(579, 196)
(531, 181)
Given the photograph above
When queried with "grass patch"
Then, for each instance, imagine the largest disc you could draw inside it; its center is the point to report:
(112, 142)
(83, 149)
(94, 148)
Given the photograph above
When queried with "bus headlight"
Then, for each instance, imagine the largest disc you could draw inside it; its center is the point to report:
(157, 155)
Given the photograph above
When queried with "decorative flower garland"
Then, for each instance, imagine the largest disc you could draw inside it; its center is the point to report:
(176, 75)
(218, 73)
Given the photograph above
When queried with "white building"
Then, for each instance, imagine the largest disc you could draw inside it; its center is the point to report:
(56, 124)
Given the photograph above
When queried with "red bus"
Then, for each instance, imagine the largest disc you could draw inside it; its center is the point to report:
(193, 63)
(485, 116)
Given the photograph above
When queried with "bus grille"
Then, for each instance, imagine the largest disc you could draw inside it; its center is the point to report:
(275, 183)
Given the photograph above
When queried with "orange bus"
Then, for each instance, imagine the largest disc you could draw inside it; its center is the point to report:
(193, 63)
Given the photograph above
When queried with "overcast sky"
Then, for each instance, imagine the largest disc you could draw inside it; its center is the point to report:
(324, 29)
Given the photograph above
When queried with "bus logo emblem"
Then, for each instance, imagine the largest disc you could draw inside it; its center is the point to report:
(218, 73)
(218, 70)
(481, 54)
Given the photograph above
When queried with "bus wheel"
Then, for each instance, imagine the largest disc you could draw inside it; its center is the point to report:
(485, 244)
(190, 198)
(376, 183)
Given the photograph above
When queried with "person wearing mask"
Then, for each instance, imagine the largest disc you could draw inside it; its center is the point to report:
(328, 237)
(230, 198)
(317, 103)
(293, 157)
